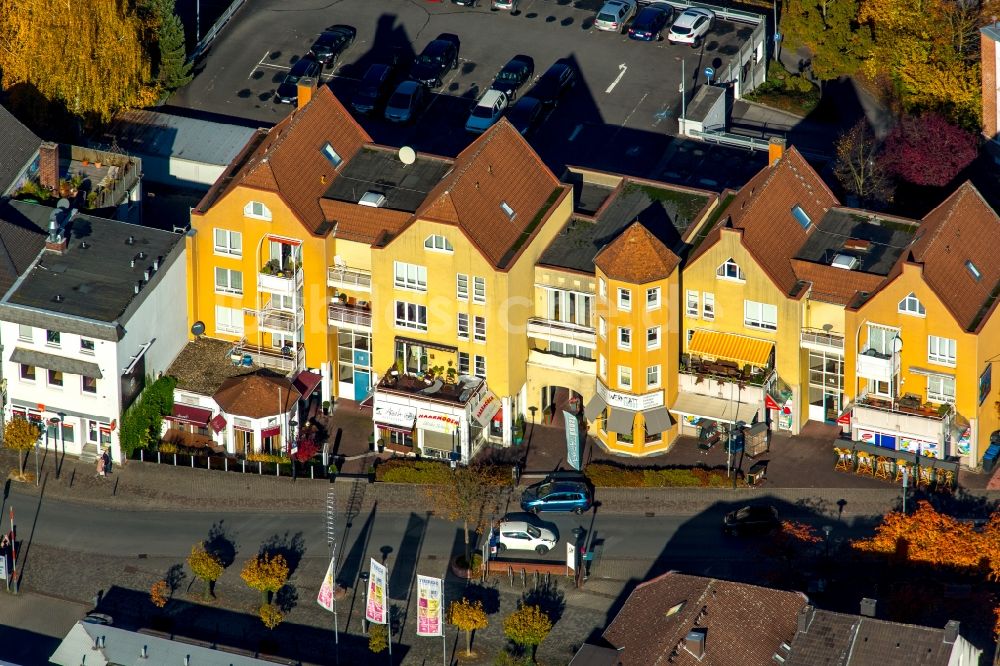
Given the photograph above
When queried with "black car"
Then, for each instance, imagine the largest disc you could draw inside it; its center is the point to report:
(650, 22)
(406, 102)
(438, 57)
(553, 84)
(375, 86)
(331, 43)
(759, 518)
(288, 91)
(514, 74)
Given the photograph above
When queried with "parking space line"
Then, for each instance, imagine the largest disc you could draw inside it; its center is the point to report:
(259, 63)
(622, 68)
(576, 132)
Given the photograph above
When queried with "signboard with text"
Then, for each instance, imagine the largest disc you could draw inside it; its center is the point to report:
(635, 403)
(572, 439)
(376, 610)
(429, 606)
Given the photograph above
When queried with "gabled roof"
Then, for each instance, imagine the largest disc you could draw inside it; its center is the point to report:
(762, 210)
(636, 257)
(499, 168)
(19, 148)
(22, 237)
(256, 396)
(362, 224)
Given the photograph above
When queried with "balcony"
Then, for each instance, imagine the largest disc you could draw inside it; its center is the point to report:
(903, 415)
(356, 317)
(278, 321)
(344, 277)
(718, 386)
(873, 364)
(820, 340)
(560, 331)
(908, 404)
(559, 362)
(286, 360)
(458, 391)
(274, 281)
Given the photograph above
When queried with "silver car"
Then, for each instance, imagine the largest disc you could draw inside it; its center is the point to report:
(614, 15)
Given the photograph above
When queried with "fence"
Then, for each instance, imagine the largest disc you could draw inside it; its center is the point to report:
(307, 470)
(216, 28)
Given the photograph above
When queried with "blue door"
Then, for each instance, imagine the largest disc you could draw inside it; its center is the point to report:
(362, 384)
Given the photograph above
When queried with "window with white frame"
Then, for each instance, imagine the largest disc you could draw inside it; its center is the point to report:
(479, 328)
(25, 333)
(880, 339)
(912, 305)
(602, 287)
(463, 326)
(463, 363)
(332, 155)
(730, 270)
(624, 377)
(652, 376)
(708, 306)
(480, 368)
(566, 349)
(439, 243)
(228, 281)
(624, 299)
(228, 320)
(55, 378)
(653, 298)
(653, 337)
(940, 388)
(760, 315)
(691, 309)
(624, 338)
(88, 385)
(602, 365)
(410, 276)
(27, 372)
(941, 350)
(462, 287)
(602, 327)
(86, 346)
(571, 307)
(228, 242)
(411, 315)
(478, 289)
(257, 210)
(52, 338)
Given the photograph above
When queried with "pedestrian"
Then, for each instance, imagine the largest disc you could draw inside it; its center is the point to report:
(100, 466)
(107, 462)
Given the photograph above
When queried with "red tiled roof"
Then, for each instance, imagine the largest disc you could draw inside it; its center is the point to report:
(636, 256)
(362, 224)
(256, 396)
(835, 285)
(306, 382)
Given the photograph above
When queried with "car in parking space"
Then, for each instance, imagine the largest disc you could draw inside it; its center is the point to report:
(650, 22)
(572, 496)
(751, 519)
(551, 86)
(523, 535)
(374, 87)
(438, 57)
(514, 74)
(487, 111)
(407, 100)
(288, 91)
(691, 26)
(331, 43)
(505, 4)
(526, 115)
(613, 16)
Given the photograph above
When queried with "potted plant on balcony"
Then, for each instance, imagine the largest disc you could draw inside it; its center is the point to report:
(381, 445)
(452, 376)
(342, 297)
(326, 407)
(400, 368)
(270, 268)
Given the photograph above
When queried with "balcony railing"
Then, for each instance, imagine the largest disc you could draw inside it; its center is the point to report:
(286, 360)
(351, 278)
(350, 314)
(561, 362)
(820, 338)
(278, 320)
(908, 405)
(560, 331)
(285, 283)
(872, 364)
(459, 391)
(724, 371)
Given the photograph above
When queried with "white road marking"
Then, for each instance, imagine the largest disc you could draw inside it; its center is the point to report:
(576, 131)
(622, 68)
(259, 63)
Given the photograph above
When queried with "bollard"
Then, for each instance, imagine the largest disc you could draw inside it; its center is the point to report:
(141, 456)
(175, 460)
(158, 460)
(225, 463)
(510, 575)
(260, 467)
(311, 472)
(277, 469)
(209, 459)
(522, 579)
(535, 586)
(192, 462)
(244, 466)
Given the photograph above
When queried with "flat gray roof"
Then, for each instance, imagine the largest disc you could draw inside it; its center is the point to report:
(379, 170)
(159, 134)
(883, 239)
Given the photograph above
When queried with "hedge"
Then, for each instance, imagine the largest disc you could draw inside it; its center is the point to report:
(400, 470)
(613, 476)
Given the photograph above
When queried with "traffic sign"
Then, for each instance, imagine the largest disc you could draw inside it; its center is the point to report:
(709, 73)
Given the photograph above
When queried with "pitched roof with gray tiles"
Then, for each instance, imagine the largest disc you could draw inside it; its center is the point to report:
(22, 237)
(20, 145)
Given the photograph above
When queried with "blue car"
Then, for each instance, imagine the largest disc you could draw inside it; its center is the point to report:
(650, 22)
(557, 496)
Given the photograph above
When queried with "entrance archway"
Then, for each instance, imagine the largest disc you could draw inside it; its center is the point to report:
(554, 401)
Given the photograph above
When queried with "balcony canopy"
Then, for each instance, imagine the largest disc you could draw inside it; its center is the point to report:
(731, 347)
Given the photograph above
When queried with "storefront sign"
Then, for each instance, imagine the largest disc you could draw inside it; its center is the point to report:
(376, 608)
(770, 403)
(845, 418)
(985, 383)
(401, 416)
(437, 422)
(572, 439)
(486, 409)
(429, 606)
(635, 403)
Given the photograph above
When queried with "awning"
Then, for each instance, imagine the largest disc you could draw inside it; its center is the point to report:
(429, 345)
(620, 421)
(273, 431)
(594, 408)
(657, 420)
(218, 423)
(188, 414)
(69, 366)
(391, 428)
(306, 382)
(489, 406)
(731, 347)
(717, 409)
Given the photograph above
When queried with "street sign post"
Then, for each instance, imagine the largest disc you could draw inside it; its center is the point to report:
(709, 73)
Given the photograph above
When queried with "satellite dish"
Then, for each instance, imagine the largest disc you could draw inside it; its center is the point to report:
(897, 345)
(62, 203)
(198, 328)
(407, 155)
(827, 327)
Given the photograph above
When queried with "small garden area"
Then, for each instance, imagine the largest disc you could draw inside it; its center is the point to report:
(786, 91)
(613, 476)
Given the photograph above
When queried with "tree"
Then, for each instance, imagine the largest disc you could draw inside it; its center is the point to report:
(270, 615)
(142, 421)
(265, 573)
(174, 70)
(158, 593)
(527, 627)
(21, 435)
(471, 494)
(928, 150)
(205, 565)
(467, 616)
(378, 638)
(859, 166)
(829, 30)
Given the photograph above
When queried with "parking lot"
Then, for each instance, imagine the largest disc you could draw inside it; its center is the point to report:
(620, 116)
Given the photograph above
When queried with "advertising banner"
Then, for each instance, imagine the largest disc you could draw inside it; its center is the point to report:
(572, 439)
(325, 596)
(429, 606)
(377, 608)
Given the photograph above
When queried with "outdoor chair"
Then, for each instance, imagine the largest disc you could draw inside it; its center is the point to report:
(865, 463)
(844, 460)
(883, 468)
(901, 465)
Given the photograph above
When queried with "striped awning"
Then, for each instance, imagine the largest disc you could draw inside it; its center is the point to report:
(731, 347)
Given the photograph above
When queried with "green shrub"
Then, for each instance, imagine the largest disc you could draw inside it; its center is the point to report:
(613, 476)
(140, 424)
(401, 470)
(268, 458)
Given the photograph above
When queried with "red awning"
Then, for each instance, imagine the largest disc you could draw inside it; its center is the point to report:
(188, 414)
(306, 382)
(498, 417)
(271, 432)
(845, 418)
(770, 403)
(218, 423)
(369, 399)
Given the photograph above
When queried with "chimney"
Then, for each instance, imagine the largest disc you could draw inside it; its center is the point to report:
(48, 165)
(868, 607)
(951, 631)
(775, 149)
(806, 618)
(138, 286)
(694, 643)
(144, 654)
(59, 245)
(306, 88)
(146, 274)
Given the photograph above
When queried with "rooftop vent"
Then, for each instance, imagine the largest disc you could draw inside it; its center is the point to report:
(951, 631)
(84, 245)
(142, 255)
(138, 286)
(58, 298)
(156, 263)
(508, 211)
(372, 200)
(144, 653)
(130, 240)
(694, 643)
(845, 261)
(805, 618)
(868, 607)
(146, 274)
(858, 244)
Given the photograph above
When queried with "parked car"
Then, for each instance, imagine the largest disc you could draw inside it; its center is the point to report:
(524, 535)
(405, 102)
(437, 58)
(554, 84)
(650, 22)
(510, 5)
(467, 3)
(374, 88)
(754, 518)
(614, 15)
(514, 74)
(487, 111)
(557, 496)
(331, 43)
(288, 91)
(526, 115)
(691, 27)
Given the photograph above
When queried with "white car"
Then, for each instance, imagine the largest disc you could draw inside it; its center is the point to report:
(614, 15)
(691, 27)
(488, 110)
(522, 535)
(505, 4)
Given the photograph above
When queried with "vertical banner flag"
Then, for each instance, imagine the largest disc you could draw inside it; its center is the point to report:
(376, 609)
(570, 556)
(325, 597)
(572, 439)
(428, 606)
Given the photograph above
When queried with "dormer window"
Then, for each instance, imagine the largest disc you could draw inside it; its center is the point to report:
(507, 210)
(332, 155)
(730, 270)
(257, 210)
(801, 216)
(973, 270)
(912, 305)
(438, 243)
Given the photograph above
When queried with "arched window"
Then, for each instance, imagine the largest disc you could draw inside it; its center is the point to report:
(439, 243)
(912, 305)
(257, 210)
(730, 270)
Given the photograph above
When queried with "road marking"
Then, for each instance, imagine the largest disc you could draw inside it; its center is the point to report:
(660, 116)
(622, 68)
(259, 63)
(576, 131)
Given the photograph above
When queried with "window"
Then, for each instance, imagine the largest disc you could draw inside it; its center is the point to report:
(228, 320)
(801, 216)
(602, 365)
(880, 339)
(912, 305)
(507, 210)
(973, 271)
(653, 298)
(410, 276)
(228, 242)
(577, 351)
(624, 377)
(411, 315)
(86, 346)
(652, 376)
(331, 155)
(730, 270)
(462, 287)
(602, 287)
(478, 289)
(89, 385)
(571, 307)
(940, 350)
(624, 299)
(25, 333)
(55, 378)
(439, 243)
(463, 326)
(708, 306)
(653, 337)
(67, 432)
(602, 327)
(463, 363)
(692, 304)
(228, 281)
(880, 388)
(479, 328)
(480, 369)
(257, 210)
(27, 372)
(624, 338)
(940, 388)
(92, 433)
(52, 338)
(760, 315)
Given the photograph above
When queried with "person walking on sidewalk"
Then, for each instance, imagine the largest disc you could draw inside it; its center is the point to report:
(106, 456)
(100, 466)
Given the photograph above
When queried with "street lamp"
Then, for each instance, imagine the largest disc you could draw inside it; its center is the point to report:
(294, 447)
(827, 529)
(54, 422)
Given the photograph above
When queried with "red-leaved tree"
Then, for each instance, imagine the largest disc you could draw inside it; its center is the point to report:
(928, 150)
